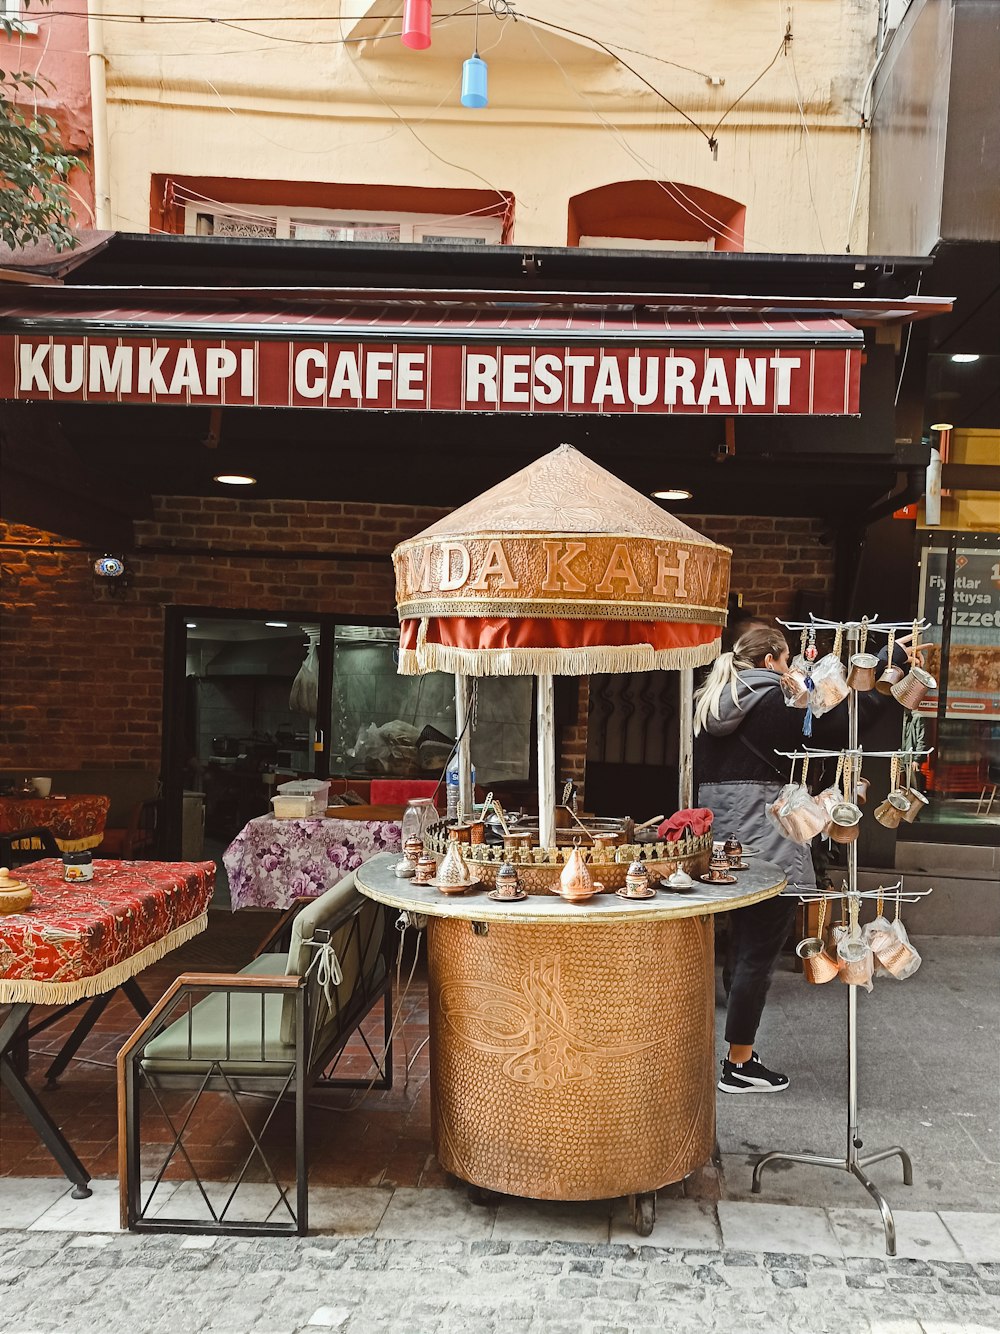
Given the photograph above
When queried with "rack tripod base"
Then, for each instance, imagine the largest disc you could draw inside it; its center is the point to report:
(855, 1166)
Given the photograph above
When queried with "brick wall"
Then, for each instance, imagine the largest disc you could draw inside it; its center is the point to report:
(772, 558)
(82, 672)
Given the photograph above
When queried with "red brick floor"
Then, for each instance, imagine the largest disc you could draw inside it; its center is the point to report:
(356, 1137)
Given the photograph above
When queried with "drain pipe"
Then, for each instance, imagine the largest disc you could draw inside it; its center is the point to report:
(99, 115)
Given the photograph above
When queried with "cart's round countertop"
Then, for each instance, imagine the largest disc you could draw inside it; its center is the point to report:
(377, 880)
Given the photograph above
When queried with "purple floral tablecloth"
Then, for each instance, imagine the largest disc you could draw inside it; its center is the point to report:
(270, 862)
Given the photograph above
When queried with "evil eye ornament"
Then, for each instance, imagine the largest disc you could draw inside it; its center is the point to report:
(109, 567)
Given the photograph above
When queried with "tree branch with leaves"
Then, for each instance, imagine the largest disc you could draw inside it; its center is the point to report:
(35, 203)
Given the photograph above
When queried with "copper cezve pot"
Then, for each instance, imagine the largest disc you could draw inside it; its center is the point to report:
(862, 673)
(845, 822)
(892, 810)
(914, 687)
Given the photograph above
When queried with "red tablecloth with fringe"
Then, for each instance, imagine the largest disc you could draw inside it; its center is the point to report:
(80, 939)
(76, 821)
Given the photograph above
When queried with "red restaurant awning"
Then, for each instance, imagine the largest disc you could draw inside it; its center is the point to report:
(518, 357)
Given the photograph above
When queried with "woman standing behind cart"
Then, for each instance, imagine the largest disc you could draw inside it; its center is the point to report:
(741, 721)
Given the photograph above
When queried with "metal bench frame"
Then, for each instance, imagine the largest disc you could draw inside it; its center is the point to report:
(315, 1061)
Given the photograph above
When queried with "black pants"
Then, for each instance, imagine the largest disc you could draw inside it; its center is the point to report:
(756, 935)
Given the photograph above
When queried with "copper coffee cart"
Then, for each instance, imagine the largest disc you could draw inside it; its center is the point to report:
(572, 1044)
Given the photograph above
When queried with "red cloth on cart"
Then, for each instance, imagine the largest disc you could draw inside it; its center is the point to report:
(698, 820)
(398, 791)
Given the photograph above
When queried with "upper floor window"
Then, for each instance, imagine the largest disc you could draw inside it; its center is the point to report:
(375, 226)
(655, 215)
(15, 18)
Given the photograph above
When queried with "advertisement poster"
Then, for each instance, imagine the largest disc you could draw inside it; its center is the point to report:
(974, 659)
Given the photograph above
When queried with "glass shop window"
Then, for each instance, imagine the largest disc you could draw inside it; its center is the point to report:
(962, 777)
(384, 724)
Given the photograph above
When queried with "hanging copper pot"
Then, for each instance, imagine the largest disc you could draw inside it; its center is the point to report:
(861, 677)
(845, 822)
(918, 804)
(914, 687)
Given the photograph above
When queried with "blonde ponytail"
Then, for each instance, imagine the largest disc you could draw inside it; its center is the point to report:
(750, 650)
(725, 672)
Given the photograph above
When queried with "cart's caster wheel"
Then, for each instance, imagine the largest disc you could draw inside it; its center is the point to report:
(643, 1210)
(480, 1195)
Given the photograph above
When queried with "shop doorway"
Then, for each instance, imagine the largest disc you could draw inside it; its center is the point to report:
(255, 698)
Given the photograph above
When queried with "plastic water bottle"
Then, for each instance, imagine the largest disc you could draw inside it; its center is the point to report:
(451, 788)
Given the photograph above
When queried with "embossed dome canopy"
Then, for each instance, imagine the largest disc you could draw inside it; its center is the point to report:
(561, 569)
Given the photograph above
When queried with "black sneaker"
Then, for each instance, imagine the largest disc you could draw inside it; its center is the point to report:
(751, 1077)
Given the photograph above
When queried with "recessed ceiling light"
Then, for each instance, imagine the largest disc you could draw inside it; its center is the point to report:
(192, 625)
(942, 426)
(672, 493)
(965, 356)
(235, 479)
(277, 625)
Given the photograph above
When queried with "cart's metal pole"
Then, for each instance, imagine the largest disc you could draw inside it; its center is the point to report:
(463, 696)
(852, 884)
(685, 748)
(546, 763)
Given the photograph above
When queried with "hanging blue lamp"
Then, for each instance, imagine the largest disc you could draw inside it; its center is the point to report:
(474, 82)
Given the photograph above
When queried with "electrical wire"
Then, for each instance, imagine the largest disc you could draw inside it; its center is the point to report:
(556, 27)
(749, 88)
(906, 350)
(409, 128)
(188, 195)
(807, 142)
(714, 224)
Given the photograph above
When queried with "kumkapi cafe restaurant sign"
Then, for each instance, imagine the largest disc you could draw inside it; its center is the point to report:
(517, 357)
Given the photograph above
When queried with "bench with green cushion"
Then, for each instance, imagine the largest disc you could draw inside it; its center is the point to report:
(272, 1028)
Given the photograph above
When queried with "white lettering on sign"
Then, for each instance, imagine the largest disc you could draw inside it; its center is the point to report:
(31, 368)
(67, 369)
(481, 378)
(379, 375)
(111, 373)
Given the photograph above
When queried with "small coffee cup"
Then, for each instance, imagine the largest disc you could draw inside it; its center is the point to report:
(426, 869)
(412, 849)
(508, 882)
(43, 786)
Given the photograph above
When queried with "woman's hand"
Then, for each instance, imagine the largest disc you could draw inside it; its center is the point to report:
(913, 655)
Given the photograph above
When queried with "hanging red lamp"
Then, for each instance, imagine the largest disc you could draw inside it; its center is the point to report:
(417, 24)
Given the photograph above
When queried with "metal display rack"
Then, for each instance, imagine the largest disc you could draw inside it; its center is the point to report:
(853, 1161)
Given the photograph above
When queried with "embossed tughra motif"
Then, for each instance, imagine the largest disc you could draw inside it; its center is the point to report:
(532, 1027)
(572, 1064)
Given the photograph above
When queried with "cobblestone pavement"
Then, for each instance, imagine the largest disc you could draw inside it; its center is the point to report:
(111, 1283)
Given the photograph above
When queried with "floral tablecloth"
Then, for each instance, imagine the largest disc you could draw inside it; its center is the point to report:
(270, 862)
(83, 938)
(76, 822)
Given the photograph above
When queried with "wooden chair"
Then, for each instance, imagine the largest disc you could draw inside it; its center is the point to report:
(27, 845)
(275, 1030)
(136, 839)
